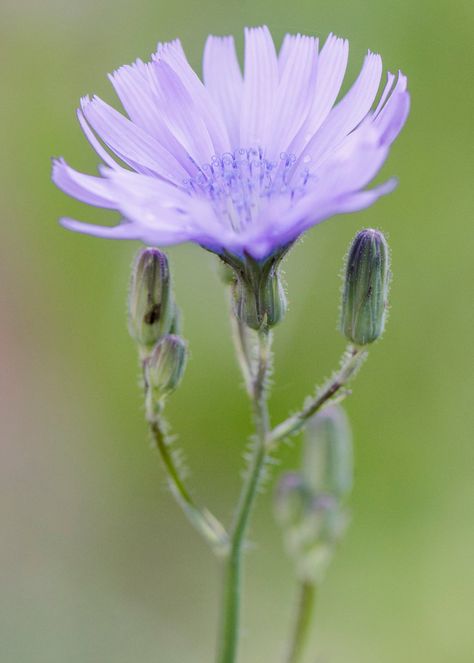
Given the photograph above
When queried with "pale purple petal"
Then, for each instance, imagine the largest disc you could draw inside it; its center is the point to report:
(332, 64)
(173, 54)
(130, 143)
(349, 202)
(136, 89)
(223, 79)
(300, 219)
(86, 188)
(390, 119)
(348, 113)
(284, 52)
(89, 134)
(180, 113)
(122, 231)
(260, 86)
(353, 165)
(385, 93)
(161, 207)
(295, 93)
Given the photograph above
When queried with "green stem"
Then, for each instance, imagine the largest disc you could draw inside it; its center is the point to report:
(202, 519)
(302, 624)
(230, 616)
(351, 362)
(243, 352)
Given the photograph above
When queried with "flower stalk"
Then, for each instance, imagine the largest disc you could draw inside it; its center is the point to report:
(244, 351)
(201, 518)
(351, 361)
(230, 616)
(307, 592)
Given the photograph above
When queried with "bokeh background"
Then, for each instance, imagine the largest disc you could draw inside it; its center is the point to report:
(96, 562)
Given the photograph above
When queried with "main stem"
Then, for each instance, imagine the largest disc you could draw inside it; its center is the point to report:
(230, 617)
(302, 625)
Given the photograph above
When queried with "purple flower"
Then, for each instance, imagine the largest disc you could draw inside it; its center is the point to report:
(240, 164)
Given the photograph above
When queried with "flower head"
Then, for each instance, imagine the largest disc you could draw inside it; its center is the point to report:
(241, 164)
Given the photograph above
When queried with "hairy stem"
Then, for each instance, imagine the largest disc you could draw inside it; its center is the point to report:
(202, 519)
(302, 624)
(350, 364)
(243, 352)
(230, 616)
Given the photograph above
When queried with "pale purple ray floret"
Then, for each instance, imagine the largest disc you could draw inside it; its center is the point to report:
(238, 163)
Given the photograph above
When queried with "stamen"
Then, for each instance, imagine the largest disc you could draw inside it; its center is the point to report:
(237, 183)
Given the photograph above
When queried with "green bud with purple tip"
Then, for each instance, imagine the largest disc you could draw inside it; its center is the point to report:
(290, 499)
(151, 310)
(310, 503)
(367, 276)
(312, 524)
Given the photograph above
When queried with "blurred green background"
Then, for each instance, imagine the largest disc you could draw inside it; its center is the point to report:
(96, 562)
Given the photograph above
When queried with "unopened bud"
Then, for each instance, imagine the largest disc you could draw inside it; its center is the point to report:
(312, 524)
(150, 302)
(328, 458)
(164, 369)
(260, 303)
(290, 499)
(364, 302)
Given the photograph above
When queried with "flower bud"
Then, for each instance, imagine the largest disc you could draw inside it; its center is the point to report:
(260, 303)
(312, 524)
(364, 302)
(150, 302)
(328, 459)
(164, 369)
(290, 499)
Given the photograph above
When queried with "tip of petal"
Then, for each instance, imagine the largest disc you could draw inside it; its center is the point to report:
(168, 48)
(121, 231)
(57, 163)
(85, 102)
(334, 38)
(402, 81)
(387, 187)
(372, 55)
(257, 28)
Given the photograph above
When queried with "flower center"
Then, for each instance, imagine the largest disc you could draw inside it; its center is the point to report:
(238, 183)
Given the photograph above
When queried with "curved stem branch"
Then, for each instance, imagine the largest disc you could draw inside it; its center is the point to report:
(302, 624)
(350, 364)
(230, 617)
(202, 519)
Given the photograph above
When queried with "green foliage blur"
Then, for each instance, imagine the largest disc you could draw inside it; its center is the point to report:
(96, 562)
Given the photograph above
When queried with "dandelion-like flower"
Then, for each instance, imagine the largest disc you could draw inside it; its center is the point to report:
(241, 164)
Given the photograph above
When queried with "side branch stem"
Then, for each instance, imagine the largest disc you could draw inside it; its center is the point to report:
(230, 616)
(202, 519)
(351, 362)
(302, 624)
